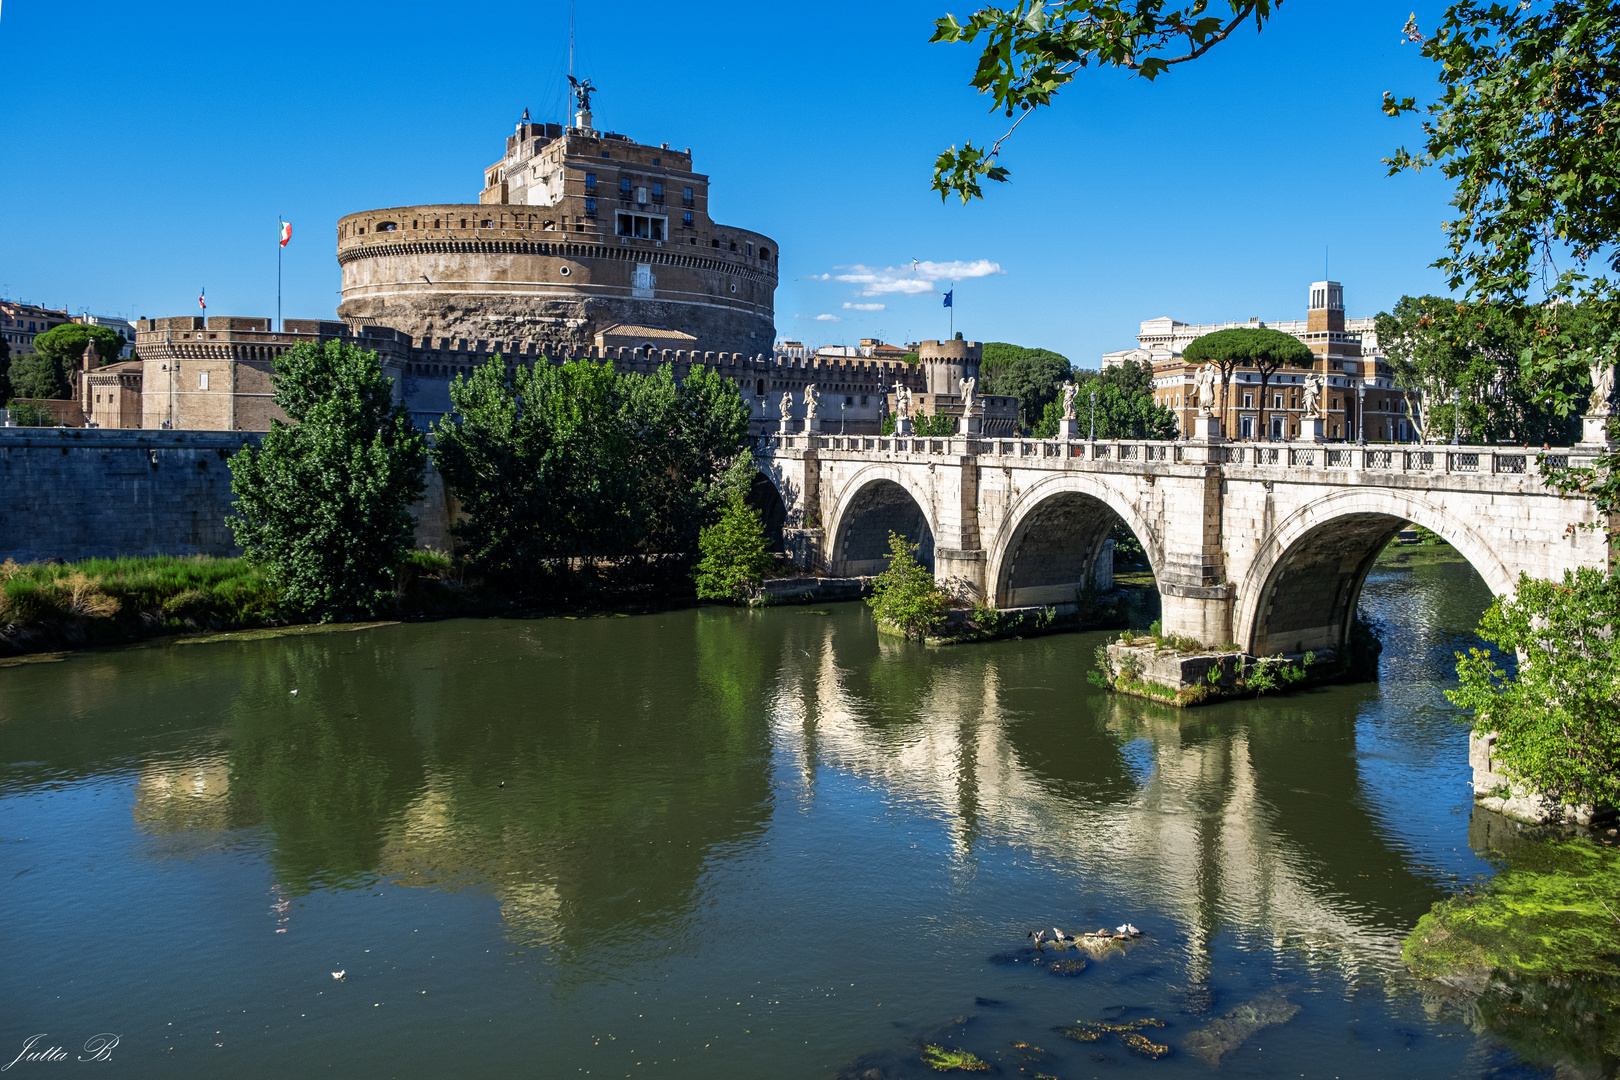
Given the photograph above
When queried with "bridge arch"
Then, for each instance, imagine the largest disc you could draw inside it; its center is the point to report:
(1301, 591)
(764, 496)
(1069, 515)
(873, 502)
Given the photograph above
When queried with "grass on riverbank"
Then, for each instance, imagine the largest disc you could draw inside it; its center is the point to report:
(47, 606)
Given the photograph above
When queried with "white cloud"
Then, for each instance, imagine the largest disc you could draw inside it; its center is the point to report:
(864, 307)
(820, 318)
(917, 278)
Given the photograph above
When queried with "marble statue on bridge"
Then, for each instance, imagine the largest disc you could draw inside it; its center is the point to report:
(1314, 385)
(812, 402)
(1070, 392)
(902, 402)
(968, 385)
(1204, 382)
(1602, 402)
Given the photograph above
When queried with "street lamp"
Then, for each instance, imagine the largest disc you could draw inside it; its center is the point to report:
(1093, 435)
(1456, 417)
(1361, 414)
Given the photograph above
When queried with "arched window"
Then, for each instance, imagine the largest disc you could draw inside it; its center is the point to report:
(759, 387)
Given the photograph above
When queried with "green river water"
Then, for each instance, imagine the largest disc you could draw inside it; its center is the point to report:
(725, 843)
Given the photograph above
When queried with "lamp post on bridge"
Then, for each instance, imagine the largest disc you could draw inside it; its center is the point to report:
(1093, 435)
(1361, 413)
(1456, 416)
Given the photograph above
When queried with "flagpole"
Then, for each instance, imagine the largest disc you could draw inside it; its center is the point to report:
(278, 276)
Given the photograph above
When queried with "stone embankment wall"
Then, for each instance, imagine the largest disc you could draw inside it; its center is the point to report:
(81, 493)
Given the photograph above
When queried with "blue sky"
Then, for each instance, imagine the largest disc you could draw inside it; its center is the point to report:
(153, 146)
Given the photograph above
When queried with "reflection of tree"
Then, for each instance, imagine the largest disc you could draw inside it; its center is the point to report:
(326, 770)
(625, 763)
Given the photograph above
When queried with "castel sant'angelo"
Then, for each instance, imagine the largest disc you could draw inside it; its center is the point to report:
(577, 235)
(583, 244)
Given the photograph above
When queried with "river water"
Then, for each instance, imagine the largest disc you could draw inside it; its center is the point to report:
(714, 843)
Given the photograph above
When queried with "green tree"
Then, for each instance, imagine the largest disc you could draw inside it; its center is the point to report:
(1125, 407)
(1558, 717)
(5, 370)
(323, 503)
(1034, 376)
(681, 439)
(38, 375)
(904, 595)
(1526, 125)
(540, 461)
(65, 344)
(734, 558)
(1033, 49)
(1437, 346)
(1262, 348)
(575, 462)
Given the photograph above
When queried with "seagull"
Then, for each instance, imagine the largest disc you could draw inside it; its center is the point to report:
(1060, 937)
(1129, 930)
(294, 693)
(1037, 936)
(338, 975)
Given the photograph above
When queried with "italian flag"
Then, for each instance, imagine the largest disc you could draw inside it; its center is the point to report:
(286, 232)
(201, 301)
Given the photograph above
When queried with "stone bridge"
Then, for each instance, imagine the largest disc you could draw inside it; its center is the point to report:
(1262, 544)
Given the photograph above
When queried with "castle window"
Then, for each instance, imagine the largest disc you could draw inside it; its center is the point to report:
(202, 380)
(734, 245)
(624, 187)
(714, 243)
(686, 196)
(590, 207)
(658, 190)
(590, 181)
(764, 253)
(656, 161)
(488, 224)
(606, 154)
(759, 387)
(686, 219)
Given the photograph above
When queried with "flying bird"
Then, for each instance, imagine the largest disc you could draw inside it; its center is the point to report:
(338, 975)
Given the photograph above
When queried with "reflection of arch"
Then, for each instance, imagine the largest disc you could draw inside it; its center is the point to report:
(1302, 589)
(1073, 513)
(877, 500)
(764, 497)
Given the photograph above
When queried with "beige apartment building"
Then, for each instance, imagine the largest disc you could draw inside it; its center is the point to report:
(1360, 398)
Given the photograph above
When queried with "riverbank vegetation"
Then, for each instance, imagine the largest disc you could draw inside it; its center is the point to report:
(905, 598)
(1540, 946)
(323, 504)
(1557, 717)
(573, 475)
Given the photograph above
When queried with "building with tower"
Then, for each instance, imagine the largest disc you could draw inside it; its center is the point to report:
(1360, 398)
(576, 233)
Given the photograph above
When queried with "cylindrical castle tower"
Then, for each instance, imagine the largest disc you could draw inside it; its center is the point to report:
(947, 363)
(576, 236)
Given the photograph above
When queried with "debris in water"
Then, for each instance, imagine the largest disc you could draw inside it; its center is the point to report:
(1138, 1043)
(945, 1058)
(1066, 968)
(1222, 1036)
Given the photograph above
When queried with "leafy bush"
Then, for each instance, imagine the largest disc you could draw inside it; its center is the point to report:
(733, 556)
(905, 595)
(1558, 718)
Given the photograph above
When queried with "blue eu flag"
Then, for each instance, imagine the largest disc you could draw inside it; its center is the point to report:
(948, 296)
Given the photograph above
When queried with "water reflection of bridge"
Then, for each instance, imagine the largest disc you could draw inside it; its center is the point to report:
(1196, 832)
(1246, 821)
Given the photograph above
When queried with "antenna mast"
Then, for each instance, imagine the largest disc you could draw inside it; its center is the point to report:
(570, 40)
